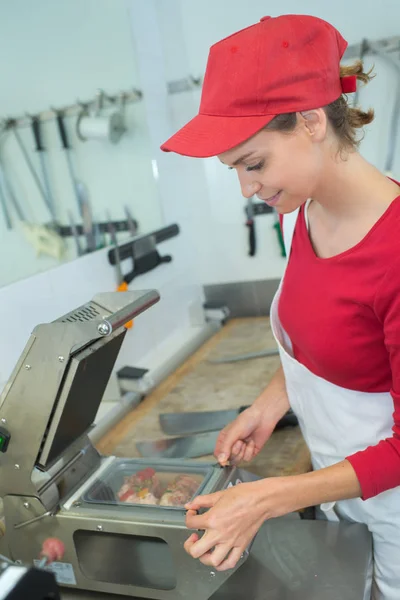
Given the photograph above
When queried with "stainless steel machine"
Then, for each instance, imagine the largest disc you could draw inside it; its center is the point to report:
(122, 521)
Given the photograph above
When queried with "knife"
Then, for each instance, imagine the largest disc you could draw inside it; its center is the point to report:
(191, 446)
(200, 444)
(199, 422)
(251, 226)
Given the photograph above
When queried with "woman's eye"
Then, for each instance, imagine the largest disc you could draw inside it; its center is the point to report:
(256, 167)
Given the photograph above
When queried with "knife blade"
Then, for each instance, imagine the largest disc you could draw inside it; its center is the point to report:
(181, 447)
(199, 444)
(199, 422)
(241, 357)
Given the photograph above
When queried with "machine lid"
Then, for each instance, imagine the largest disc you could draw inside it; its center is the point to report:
(55, 390)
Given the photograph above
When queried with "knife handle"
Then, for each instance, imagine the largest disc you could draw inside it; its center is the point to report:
(288, 420)
(36, 134)
(62, 131)
(252, 236)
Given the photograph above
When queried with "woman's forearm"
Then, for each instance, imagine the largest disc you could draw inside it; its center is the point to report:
(274, 398)
(338, 482)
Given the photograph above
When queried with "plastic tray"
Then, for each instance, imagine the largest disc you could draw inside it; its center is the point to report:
(105, 489)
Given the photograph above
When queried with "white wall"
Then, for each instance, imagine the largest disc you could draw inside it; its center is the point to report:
(52, 54)
(219, 232)
(161, 332)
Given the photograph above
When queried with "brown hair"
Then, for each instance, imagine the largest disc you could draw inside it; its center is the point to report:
(343, 118)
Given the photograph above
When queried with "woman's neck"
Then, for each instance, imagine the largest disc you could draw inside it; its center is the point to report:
(352, 188)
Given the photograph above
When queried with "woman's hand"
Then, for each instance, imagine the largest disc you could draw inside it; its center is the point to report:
(243, 439)
(235, 516)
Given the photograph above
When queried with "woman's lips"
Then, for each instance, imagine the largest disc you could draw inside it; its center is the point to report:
(273, 199)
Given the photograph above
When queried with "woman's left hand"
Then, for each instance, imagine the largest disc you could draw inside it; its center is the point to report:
(233, 519)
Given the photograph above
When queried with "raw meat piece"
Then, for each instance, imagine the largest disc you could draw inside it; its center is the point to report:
(144, 487)
(143, 484)
(180, 492)
(141, 498)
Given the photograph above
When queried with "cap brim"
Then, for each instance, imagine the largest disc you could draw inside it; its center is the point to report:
(207, 135)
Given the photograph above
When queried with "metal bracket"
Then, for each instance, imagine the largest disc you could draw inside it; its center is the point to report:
(125, 250)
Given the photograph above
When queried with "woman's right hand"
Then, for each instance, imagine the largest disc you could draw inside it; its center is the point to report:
(243, 439)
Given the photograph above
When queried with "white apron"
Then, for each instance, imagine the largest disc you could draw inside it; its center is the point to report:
(337, 422)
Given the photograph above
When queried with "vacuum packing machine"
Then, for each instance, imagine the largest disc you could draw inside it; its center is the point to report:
(121, 520)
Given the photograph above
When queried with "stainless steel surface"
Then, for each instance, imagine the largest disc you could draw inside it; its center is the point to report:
(244, 298)
(33, 520)
(191, 446)
(104, 541)
(123, 312)
(292, 560)
(199, 422)
(196, 422)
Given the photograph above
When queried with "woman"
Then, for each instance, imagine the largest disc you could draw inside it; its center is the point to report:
(274, 108)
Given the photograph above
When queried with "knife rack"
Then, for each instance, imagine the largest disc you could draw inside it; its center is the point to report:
(143, 252)
(67, 231)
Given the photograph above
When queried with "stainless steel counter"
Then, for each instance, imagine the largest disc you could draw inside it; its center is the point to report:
(294, 560)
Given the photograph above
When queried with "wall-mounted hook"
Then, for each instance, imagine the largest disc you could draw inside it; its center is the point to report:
(84, 112)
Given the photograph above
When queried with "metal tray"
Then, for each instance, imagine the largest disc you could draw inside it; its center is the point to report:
(105, 489)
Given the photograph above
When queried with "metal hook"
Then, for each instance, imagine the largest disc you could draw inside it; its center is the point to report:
(99, 101)
(138, 94)
(196, 80)
(83, 113)
(57, 111)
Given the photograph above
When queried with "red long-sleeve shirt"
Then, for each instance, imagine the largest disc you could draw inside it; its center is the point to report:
(342, 315)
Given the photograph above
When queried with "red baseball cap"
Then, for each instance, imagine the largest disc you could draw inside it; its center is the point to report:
(280, 65)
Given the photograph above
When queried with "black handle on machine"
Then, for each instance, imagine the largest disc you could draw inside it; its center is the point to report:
(36, 134)
(62, 131)
(252, 237)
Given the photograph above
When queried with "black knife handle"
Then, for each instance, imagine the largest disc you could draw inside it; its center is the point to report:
(36, 134)
(288, 420)
(62, 131)
(252, 237)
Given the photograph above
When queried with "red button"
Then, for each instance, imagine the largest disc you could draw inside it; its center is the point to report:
(264, 19)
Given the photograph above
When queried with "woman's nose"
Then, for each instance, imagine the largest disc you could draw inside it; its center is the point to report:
(249, 188)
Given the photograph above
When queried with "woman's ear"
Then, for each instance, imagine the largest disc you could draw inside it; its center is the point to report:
(315, 122)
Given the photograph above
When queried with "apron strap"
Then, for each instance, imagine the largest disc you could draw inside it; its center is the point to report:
(289, 223)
